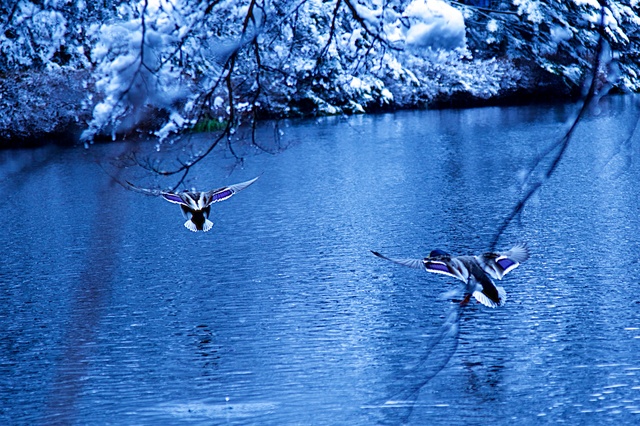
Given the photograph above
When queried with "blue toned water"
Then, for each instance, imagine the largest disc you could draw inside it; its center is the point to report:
(111, 312)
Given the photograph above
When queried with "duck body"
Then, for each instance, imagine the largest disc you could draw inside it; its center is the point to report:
(196, 206)
(476, 272)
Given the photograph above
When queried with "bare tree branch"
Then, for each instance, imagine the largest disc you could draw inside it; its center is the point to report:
(332, 30)
(484, 9)
(562, 145)
(374, 34)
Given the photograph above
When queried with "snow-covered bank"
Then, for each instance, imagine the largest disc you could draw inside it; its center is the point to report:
(41, 108)
(157, 67)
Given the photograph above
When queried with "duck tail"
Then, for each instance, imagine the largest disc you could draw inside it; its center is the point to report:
(191, 226)
(207, 225)
(502, 294)
(481, 297)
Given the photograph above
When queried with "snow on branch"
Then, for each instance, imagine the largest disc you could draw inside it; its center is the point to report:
(138, 67)
(163, 67)
(169, 56)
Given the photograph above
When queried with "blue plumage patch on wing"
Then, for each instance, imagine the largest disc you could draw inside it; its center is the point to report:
(172, 198)
(221, 195)
(437, 267)
(505, 263)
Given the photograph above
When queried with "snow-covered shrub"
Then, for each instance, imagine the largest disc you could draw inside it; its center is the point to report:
(137, 61)
(557, 37)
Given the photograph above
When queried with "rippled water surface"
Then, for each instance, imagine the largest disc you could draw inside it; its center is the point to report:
(112, 312)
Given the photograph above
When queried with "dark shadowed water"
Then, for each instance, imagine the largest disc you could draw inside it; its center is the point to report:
(111, 312)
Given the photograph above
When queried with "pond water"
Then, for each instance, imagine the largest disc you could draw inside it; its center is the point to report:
(111, 312)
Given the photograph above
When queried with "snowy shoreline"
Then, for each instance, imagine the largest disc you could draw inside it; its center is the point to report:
(52, 108)
(76, 71)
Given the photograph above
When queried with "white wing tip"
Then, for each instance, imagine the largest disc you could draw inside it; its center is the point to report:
(519, 253)
(480, 297)
(502, 294)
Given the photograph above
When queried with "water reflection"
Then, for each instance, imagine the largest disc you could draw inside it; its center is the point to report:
(111, 312)
(89, 298)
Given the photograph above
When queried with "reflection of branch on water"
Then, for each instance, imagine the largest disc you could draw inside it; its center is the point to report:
(623, 149)
(440, 349)
(89, 303)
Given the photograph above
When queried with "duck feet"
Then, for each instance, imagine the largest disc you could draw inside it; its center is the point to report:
(466, 299)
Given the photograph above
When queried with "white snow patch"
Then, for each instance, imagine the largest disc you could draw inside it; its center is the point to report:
(368, 15)
(356, 83)
(592, 3)
(433, 24)
(560, 34)
(530, 8)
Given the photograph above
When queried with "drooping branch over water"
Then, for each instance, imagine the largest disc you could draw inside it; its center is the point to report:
(547, 158)
(438, 353)
(159, 67)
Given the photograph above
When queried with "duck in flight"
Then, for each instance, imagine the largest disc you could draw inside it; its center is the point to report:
(196, 206)
(475, 271)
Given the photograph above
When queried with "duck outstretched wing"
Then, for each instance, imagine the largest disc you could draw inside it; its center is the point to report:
(437, 266)
(497, 265)
(201, 200)
(173, 198)
(411, 263)
(443, 267)
(226, 192)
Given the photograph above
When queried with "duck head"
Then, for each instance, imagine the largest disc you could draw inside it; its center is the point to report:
(438, 253)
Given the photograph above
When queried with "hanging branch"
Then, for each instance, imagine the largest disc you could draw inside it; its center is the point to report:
(137, 74)
(432, 361)
(563, 143)
(332, 31)
(184, 167)
(363, 23)
(252, 25)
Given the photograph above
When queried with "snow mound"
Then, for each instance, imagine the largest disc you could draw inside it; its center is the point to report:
(433, 25)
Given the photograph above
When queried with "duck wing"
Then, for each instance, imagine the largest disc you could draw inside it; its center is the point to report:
(437, 266)
(173, 198)
(484, 290)
(497, 265)
(226, 192)
(201, 200)
(443, 267)
(411, 263)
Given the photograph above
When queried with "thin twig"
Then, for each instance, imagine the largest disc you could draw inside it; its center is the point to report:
(563, 143)
(484, 9)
